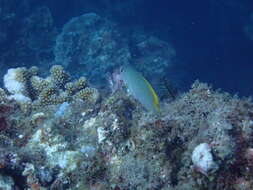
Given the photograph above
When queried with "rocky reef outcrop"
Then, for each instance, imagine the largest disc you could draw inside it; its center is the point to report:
(200, 140)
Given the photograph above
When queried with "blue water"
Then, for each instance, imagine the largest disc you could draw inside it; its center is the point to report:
(208, 36)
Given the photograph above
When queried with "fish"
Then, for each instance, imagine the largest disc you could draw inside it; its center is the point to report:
(140, 88)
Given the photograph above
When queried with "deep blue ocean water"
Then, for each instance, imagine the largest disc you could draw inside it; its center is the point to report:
(208, 36)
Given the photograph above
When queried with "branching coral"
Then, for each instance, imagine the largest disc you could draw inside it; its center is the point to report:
(31, 90)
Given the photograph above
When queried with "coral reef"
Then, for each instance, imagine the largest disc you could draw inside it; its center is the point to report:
(152, 55)
(95, 45)
(87, 45)
(155, 58)
(31, 90)
(59, 132)
(70, 140)
(92, 43)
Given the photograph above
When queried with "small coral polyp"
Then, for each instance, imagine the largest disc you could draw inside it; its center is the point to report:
(58, 75)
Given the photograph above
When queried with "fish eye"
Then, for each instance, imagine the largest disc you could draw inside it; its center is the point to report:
(120, 69)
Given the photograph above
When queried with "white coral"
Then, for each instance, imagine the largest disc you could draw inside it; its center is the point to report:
(19, 98)
(202, 158)
(15, 87)
(11, 83)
